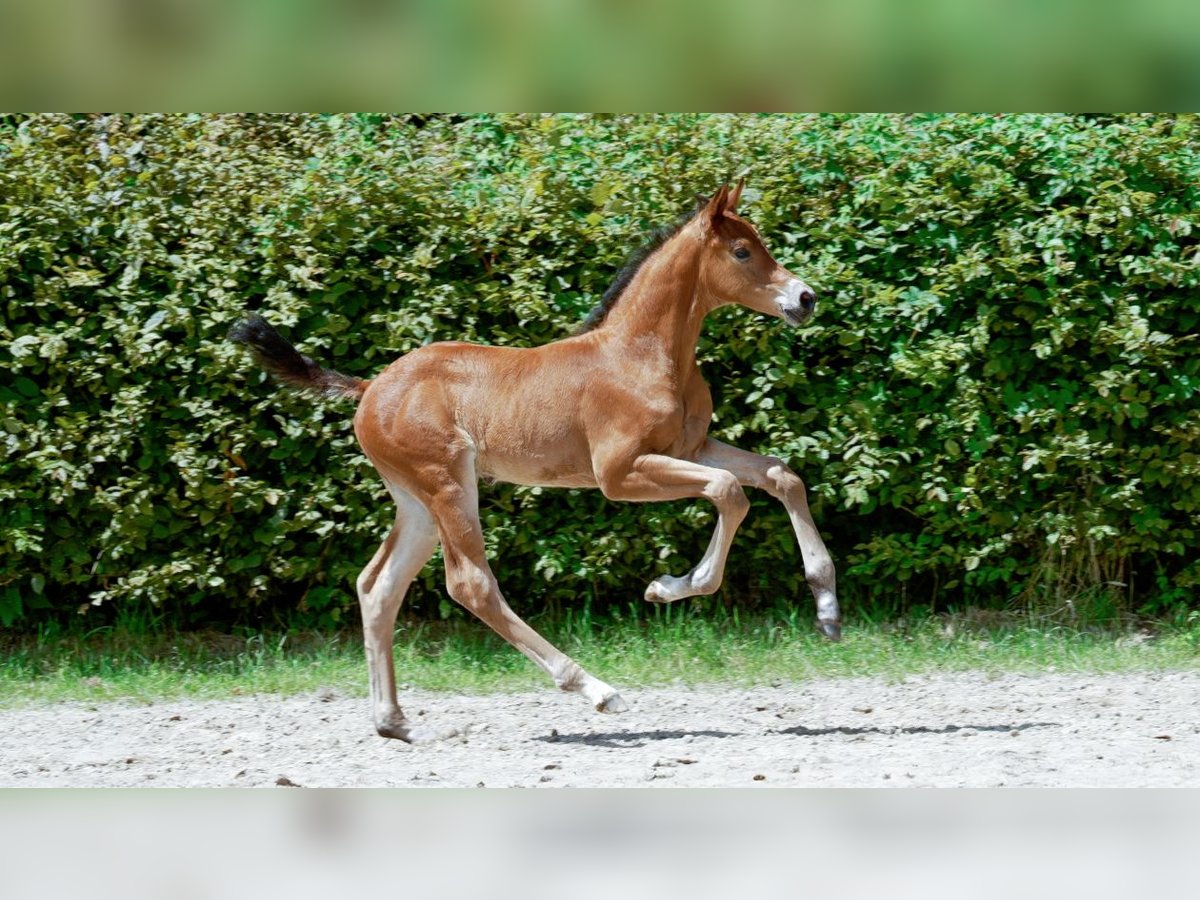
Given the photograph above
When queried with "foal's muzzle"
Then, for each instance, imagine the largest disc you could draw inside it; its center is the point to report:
(796, 302)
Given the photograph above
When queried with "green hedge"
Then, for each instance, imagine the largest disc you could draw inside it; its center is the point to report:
(997, 402)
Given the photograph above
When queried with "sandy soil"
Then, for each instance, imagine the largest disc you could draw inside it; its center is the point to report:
(937, 730)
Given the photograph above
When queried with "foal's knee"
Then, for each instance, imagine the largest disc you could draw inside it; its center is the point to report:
(783, 483)
(726, 493)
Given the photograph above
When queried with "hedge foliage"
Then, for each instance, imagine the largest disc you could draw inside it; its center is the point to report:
(997, 402)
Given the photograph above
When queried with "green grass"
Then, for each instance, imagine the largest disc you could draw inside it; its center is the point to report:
(646, 647)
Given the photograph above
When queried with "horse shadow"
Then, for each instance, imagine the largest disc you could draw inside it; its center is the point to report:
(849, 730)
(628, 740)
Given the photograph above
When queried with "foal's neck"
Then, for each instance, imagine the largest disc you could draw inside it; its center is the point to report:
(664, 301)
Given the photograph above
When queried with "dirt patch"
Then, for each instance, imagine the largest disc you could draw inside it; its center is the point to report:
(939, 730)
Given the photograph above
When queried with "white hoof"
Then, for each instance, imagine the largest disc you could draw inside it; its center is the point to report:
(612, 704)
(417, 734)
(661, 590)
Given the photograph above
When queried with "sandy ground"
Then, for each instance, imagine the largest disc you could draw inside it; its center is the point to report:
(937, 730)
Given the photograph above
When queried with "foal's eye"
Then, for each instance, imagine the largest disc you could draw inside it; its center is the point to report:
(742, 253)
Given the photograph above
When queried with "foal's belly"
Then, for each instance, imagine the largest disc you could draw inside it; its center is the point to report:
(534, 472)
(539, 449)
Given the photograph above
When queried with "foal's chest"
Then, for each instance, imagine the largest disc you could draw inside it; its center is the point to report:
(677, 423)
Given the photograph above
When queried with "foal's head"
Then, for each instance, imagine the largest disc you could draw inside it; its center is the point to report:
(737, 268)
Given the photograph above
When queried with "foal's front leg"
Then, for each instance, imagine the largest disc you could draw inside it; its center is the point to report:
(657, 477)
(773, 476)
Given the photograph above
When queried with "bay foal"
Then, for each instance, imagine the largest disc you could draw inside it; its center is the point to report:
(621, 407)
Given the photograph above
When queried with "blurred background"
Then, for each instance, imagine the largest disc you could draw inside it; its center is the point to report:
(615, 54)
(592, 844)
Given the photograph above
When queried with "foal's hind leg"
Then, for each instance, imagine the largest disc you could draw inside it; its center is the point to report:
(774, 477)
(470, 581)
(381, 589)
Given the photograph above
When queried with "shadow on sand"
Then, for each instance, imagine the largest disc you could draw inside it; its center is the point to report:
(805, 731)
(633, 739)
(628, 739)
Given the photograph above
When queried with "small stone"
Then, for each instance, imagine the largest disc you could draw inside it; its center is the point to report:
(760, 777)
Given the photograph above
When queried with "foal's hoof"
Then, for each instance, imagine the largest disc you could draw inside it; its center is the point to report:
(612, 704)
(832, 629)
(657, 593)
(417, 734)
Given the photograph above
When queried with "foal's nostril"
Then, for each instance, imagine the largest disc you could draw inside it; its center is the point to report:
(807, 301)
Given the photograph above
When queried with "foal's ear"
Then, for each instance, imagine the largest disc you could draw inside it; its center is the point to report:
(716, 206)
(734, 196)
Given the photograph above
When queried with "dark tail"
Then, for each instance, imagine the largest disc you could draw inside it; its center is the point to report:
(288, 364)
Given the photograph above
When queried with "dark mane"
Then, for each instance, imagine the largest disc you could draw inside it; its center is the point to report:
(657, 238)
